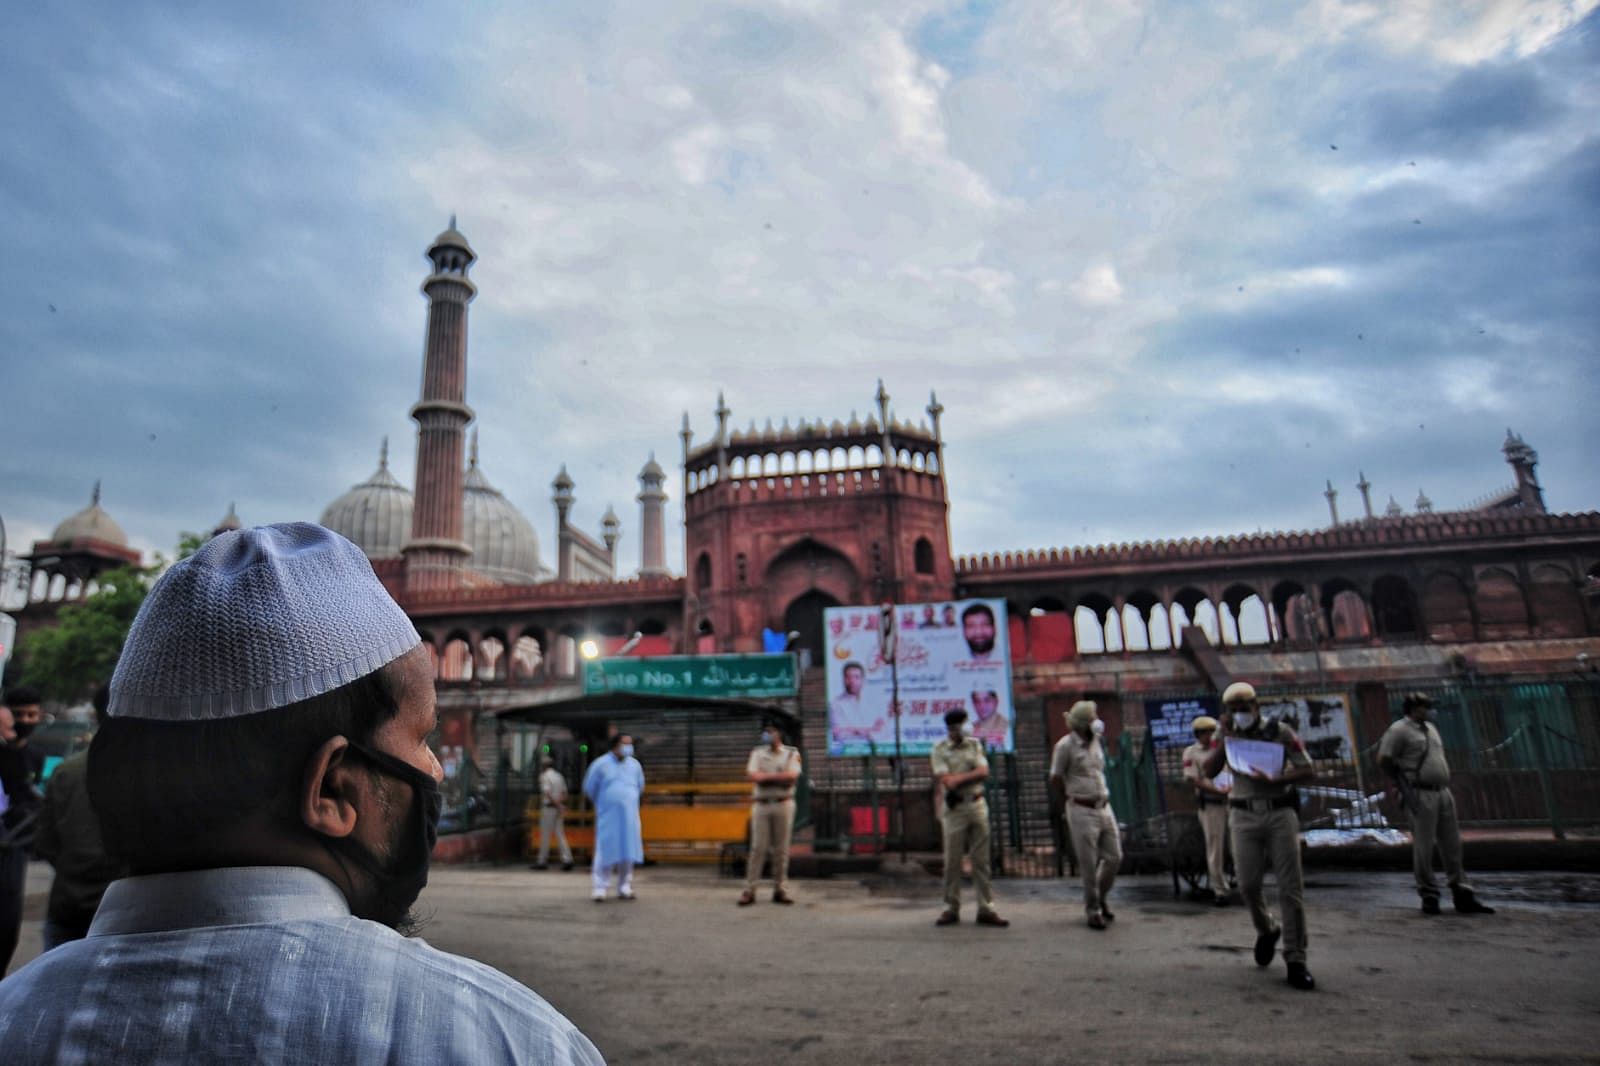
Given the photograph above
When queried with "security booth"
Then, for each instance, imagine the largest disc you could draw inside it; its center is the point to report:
(693, 748)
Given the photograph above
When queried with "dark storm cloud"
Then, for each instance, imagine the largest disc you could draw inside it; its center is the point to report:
(1477, 108)
(190, 322)
(1106, 284)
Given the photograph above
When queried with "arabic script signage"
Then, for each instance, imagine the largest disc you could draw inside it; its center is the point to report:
(729, 676)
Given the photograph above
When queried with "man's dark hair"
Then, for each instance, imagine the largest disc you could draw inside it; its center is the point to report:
(22, 696)
(955, 717)
(616, 740)
(851, 665)
(101, 700)
(977, 608)
(168, 793)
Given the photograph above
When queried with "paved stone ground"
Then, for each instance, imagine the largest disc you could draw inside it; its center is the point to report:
(856, 972)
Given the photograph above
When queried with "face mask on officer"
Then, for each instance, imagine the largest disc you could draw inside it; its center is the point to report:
(1244, 719)
(1097, 727)
(966, 729)
(627, 750)
(766, 736)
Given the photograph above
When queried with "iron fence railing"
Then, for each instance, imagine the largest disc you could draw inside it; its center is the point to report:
(1522, 754)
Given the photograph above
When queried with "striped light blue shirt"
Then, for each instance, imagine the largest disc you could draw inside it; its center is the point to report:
(266, 965)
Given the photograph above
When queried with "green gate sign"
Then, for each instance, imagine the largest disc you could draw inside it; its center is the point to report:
(713, 676)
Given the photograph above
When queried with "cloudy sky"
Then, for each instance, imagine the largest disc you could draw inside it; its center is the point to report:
(1168, 266)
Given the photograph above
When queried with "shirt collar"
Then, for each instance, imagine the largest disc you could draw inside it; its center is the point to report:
(238, 895)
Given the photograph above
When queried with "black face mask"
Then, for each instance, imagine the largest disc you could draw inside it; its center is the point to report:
(24, 730)
(399, 882)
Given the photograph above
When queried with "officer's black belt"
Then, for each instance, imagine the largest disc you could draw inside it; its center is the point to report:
(772, 799)
(1272, 803)
(1209, 801)
(1427, 788)
(1092, 804)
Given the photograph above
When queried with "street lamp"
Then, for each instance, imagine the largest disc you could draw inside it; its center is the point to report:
(589, 649)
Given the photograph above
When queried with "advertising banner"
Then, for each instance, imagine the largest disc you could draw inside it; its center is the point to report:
(949, 654)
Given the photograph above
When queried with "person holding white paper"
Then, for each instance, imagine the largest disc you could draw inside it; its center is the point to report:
(1263, 812)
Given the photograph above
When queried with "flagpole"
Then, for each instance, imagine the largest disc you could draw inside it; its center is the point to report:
(889, 643)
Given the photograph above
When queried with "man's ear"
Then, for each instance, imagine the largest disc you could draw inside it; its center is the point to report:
(329, 790)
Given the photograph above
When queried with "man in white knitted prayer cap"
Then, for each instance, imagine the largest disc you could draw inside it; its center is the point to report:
(264, 771)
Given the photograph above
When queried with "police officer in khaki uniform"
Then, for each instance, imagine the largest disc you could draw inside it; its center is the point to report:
(1211, 802)
(774, 767)
(1264, 818)
(1412, 753)
(959, 769)
(1078, 785)
(552, 814)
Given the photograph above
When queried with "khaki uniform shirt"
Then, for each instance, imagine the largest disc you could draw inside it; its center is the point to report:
(1417, 750)
(960, 758)
(1082, 766)
(1194, 762)
(763, 760)
(552, 787)
(1294, 754)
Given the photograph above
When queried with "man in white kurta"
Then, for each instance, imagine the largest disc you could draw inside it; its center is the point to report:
(615, 786)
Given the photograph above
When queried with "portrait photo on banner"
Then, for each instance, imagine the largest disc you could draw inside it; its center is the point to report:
(948, 654)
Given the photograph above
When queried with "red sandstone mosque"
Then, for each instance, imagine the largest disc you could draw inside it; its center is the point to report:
(781, 523)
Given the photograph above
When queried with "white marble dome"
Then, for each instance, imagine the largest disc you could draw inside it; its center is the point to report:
(504, 546)
(374, 515)
(91, 523)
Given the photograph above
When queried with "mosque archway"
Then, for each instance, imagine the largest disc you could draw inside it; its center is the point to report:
(527, 656)
(804, 616)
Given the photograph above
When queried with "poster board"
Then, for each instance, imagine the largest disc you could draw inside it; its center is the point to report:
(948, 654)
(1322, 722)
(1168, 724)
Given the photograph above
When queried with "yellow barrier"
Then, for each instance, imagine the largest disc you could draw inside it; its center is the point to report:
(672, 832)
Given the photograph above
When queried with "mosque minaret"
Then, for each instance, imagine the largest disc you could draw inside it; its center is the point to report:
(436, 554)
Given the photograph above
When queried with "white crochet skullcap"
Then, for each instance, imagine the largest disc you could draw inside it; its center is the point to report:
(257, 619)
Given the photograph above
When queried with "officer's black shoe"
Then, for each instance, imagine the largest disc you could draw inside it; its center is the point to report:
(1430, 905)
(1203, 895)
(1105, 912)
(1266, 944)
(1300, 977)
(566, 866)
(1467, 903)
